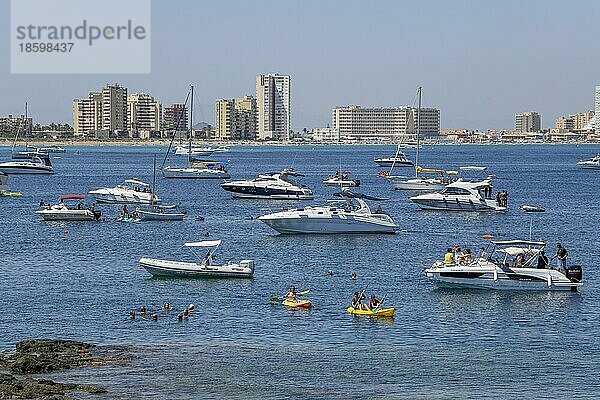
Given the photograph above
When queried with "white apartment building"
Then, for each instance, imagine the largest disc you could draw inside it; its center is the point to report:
(355, 122)
(114, 108)
(529, 121)
(144, 114)
(325, 135)
(87, 114)
(273, 104)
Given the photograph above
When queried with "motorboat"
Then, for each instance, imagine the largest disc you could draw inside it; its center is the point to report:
(398, 160)
(349, 214)
(63, 212)
(197, 151)
(35, 165)
(341, 179)
(510, 265)
(276, 185)
(132, 191)
(592, 163)
(436, 181)
(160, 213)
(203, 268)
(4, 190)
(53, 149)
(198, 170)
(461, 196)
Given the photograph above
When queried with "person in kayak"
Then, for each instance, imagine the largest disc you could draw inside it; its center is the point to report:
(374, 302)
(357, 303)
(291, 295)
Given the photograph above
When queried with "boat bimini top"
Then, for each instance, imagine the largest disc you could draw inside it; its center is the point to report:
(211, 245)
(135, 181)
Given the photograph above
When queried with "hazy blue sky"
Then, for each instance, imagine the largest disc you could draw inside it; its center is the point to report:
(478, 61)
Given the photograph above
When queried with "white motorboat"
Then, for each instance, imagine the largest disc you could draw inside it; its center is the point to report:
(510, 265)
(203, 268)
(132, 191)
(62, 212)
(160, 213)
(351, 214)
(52, 149)
(198, 170)
(34, 165)
(592, 163)
(341, 179)
(420, 182)
(398, 160)
(461, 196)
(194, 151)
(277, 186)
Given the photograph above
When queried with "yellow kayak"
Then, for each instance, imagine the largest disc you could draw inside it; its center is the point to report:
(297, 303)
(384, 312)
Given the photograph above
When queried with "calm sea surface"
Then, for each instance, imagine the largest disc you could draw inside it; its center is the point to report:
(79, 280)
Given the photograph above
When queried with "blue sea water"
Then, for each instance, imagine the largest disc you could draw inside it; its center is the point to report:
(79, 280)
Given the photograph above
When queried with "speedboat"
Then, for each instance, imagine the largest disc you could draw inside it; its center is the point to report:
(276, 185)
(203, 268)
(510, 265)
(160, 213)
(461, 196)
(132, 191)
(4, 190)
(62, 212)
(198, 170)
(351, 214)
(431, 183)
(34, 165)
(342, 179)
(592, 163)
(399, 160)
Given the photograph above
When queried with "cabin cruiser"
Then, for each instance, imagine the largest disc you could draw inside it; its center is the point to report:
(276, 185)
(198, 170)
(62, 212)
(592, 163)
(510, 265)
(203, 268)
(133, 191)
(342, 179)
(462, 196)
(429, 183)
(351, 214)
(399, 160)
(34, 165)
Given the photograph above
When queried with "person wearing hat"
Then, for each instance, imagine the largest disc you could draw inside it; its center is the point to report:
(561, 255)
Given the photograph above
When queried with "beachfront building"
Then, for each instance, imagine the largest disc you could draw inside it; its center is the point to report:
(597, 109)
(273, 105)
(529, 121)
(325, 135)
(11, 124)
(144, 115)
(87, 115)
(391, 123)
(175, 117)
(574, 122)
(236, 119)
(114, 109)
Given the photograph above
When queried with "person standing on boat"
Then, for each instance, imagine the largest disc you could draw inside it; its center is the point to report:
(542, 262)
(448, 257)
(561, 255)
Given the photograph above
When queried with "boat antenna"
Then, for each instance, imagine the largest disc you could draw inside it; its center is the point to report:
(418, 131)
(176, 129)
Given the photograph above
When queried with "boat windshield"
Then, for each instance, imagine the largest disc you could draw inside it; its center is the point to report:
(452, 190)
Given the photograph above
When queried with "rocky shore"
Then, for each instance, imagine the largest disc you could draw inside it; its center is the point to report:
(42, 356)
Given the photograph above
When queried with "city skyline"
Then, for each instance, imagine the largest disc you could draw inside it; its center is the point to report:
(353, 53)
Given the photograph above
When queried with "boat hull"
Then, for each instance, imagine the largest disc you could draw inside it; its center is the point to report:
(9, 169)
(166, 268)
(105, 196)
(192, 173)
(157, 216)
(335, 224)
(385, 312)
(502, 283)
(258, 192)
(416, 184)
(457, 205)
(387, 163)
(297, 303)
(68, 215)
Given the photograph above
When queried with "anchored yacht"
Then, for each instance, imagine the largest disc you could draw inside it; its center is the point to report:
(198, 170)
(62, 212)
(592, 163)
(34, 165)
(278, 186)
(341, 179)
(398, 160)
(510, 265)
(351, 214)
(461, 196)
(133, 191)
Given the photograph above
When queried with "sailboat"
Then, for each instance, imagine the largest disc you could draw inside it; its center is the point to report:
(159, 212)
(436, 181)
(27, 162)
(196, 169)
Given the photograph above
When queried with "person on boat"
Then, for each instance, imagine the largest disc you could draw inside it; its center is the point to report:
(79, 205)
(374, 302)
(499, 199)
(542, 261)
(468, 256)
(291, 294)
(459, 256)
(378, 210)
(449, 257)
(125, 212)
(520, 260)
(42, 204)
(561, 255)
(504, 198)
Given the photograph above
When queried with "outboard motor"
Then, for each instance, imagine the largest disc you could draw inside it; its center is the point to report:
(575, 273)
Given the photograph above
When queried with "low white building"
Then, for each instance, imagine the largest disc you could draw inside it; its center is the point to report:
(325, 135)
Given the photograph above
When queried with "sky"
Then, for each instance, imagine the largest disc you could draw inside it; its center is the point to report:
(479, 62)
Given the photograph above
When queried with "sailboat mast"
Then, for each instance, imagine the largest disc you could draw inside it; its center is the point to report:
(153, 183)
(191, 125)
(418, 131)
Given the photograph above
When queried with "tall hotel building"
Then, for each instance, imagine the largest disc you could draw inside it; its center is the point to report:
(87, 114)
(273, 103)
(176, 113)
(235, 119)
(356, 122)
(528, 122)
(114, 108)
(144, 114)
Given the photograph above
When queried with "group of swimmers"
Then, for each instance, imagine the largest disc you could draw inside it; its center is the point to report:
(126, 214)
(166, 307)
